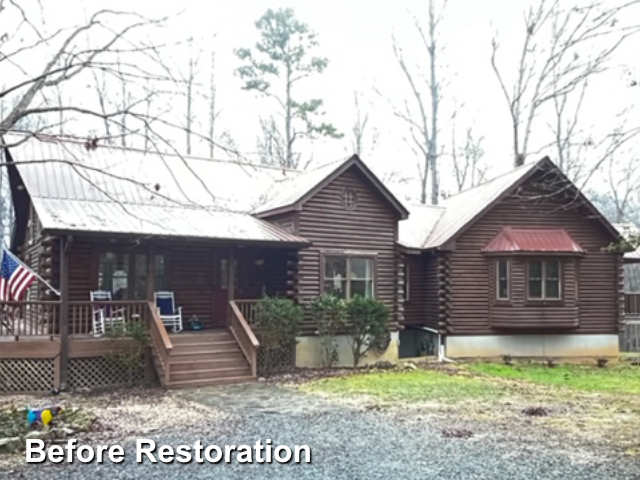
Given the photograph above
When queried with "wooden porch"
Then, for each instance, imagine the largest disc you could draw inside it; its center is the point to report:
(32, 345)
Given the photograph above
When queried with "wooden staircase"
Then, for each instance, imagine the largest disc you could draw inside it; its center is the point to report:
(210, 357)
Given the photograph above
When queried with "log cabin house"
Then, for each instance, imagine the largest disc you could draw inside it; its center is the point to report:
(515, 265)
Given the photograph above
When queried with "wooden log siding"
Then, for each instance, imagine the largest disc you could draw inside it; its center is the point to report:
(422, 306)
(371, 226)
(471, 283)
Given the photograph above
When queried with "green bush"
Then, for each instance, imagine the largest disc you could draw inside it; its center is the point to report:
(329, 314)
(367, 327)
(277, 326)
(131, 355)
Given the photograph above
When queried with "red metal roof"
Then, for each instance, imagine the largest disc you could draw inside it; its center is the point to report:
(533, 240)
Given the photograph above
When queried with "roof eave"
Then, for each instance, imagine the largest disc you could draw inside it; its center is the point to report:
(124, 235)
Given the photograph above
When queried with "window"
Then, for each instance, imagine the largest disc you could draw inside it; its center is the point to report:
(125, 276)
(349, 199)
(502, 279)
(544, 279)
(346, 277)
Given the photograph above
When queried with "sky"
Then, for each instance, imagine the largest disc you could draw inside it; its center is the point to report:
(356, 37)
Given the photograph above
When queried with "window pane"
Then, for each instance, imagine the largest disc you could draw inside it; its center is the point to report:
(140, 285)
(552, 289)
(158, 261)
(502, 269)
(364, 288)
(106, 267)
(535, 288)
(553, 270)
(120, 279)
(535, 270)
(361, 268)
(335, 267)
(503, 289)
(336, 287)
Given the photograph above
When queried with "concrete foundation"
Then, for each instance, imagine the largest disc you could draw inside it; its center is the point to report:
(309, 352)
(558, 345)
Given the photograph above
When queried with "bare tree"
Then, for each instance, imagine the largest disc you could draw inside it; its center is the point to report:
(113, 52)
(468, 168)
(213, 113)
(361, 139)
(562, 48)
(421, 113)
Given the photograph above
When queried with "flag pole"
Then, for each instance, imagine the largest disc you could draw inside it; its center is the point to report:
(6, 250)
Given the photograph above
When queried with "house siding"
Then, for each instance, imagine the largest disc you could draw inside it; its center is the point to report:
(370, 227)
(421, 309)
(592, 302)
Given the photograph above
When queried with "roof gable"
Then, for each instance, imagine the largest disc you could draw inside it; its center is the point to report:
(293, 193)
(461, 211)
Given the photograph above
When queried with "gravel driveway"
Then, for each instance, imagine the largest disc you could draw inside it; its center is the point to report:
(353, 443)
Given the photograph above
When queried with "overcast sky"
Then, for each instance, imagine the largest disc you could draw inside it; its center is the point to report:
(356, 35)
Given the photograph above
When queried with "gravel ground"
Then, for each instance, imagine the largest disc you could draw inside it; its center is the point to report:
(354, 443)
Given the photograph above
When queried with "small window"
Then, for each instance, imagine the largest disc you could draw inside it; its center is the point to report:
(502, 279)
(346, 277)
(544, 279)
(349, 199)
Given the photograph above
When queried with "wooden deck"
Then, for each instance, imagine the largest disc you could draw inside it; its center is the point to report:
(30, 333)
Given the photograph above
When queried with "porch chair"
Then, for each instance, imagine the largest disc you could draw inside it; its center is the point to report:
(104, 316)
(170, 315)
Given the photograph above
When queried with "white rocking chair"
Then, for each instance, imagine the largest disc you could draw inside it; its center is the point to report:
(104, 317)
(170, 315)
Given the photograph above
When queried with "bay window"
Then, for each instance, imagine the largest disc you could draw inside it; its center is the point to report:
(347, 276)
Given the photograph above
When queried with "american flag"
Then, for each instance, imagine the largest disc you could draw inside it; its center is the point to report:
(14, 278)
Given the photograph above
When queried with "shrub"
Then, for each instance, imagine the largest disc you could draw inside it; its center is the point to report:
(367, 327)
(329, 314)
(277, 325)
(131, 355)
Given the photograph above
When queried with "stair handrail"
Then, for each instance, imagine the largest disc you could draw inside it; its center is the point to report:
(161, 340)
(245, 337)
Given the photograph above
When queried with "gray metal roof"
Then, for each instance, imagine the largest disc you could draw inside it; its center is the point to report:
(431, 227)
(118, 190)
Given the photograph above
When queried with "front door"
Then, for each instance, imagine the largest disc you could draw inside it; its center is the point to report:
(221, 289)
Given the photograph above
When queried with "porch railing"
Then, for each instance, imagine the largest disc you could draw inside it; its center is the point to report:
(249, 309)
(83, 314)
(161, 343)
(29, 319)
(244, 336)
(632, 304)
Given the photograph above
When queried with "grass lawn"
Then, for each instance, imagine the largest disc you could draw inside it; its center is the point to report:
(412, 385)
(613, 379)
(600, 404)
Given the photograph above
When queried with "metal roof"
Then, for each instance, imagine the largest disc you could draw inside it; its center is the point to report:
(533, 240)
(456, 211)
(422, 219)
(118, 190)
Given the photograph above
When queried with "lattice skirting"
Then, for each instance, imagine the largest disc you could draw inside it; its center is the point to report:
(21, 375)
(282, 359)
(630, 338)
(99, 372)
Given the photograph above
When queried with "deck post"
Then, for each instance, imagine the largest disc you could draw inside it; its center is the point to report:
(65, 242)
(231, 282)
(149, 370)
